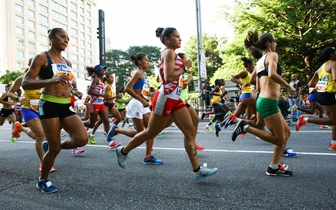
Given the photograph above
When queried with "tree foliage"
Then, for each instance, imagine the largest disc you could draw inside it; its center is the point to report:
(302, 28)
(211, 46)
(10, 76)
(121, 65)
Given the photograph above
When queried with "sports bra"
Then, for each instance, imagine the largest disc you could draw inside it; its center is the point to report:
(262, 69)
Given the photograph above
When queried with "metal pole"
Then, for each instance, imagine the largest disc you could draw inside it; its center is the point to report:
(199, 48)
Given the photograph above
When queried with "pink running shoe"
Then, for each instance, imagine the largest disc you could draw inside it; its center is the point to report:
(199, 148)
(77, 151)
(114, 144)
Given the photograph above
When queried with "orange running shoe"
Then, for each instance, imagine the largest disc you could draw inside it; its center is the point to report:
(199, 148)
(332, 147)
(16, 132)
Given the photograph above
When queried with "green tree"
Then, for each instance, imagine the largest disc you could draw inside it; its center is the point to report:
(10, 76)
(302, 28)
(211, 45)
(121, 65)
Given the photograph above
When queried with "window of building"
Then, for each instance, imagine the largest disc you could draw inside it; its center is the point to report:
(60, 25)
(89, 37)
(31, 23)
(20, 53)
(31, 3)
(81, 27)
(44, 28)
(73, 22)
(81, 2)
(82, 35)
(73, 14)
(82, 60)
(63, 1)
(43, 8)
(73, 5)
(31, 13)
(74, 49)
(19, 19)
(44, 39)
(43, 48)
(19, 42)
(88, 21)
(31, 45)
(82, 51)
(65, 55)
(20, 64)
(19, 8)
(81, 10)
(82, 43)
(31, 54)
(74, 40)
(75, 66)
(82, 18)
(88, 6)
(31, 34)
(73, 31)
(44, 18)
(88, 52)
(59, 16)
(45, 1)
(19, 30)
(74, 57)
(88, 13)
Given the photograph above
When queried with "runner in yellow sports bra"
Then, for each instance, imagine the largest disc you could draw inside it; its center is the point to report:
(325, 87)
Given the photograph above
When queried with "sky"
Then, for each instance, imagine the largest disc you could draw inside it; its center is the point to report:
(133, 22)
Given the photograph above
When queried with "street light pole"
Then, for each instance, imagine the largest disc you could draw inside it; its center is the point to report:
(199, 55)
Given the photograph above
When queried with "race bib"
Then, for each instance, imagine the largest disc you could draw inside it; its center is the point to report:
(321, 86)
(145, 91)
(34, 104)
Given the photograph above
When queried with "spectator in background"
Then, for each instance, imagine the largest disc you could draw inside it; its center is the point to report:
(294, 97)
(206, 93)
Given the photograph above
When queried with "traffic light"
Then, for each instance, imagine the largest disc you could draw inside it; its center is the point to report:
(98, 33)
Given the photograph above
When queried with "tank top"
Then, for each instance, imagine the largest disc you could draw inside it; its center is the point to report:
(172, 89)
(216, 99)
(142, 85)
(246, 80)
(110, 92)
(99, 88)
(325, 83)
(31, 96)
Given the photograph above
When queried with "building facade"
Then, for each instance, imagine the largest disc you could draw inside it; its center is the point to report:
(24, 29)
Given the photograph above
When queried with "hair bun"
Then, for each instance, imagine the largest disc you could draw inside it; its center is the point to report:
(158, 32)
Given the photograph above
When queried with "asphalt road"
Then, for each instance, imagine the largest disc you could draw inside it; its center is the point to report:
(93, 180)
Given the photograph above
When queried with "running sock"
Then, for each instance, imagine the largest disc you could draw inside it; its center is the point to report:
(305, 119)
(245, 127)
(122, 151)
(274, 166)
(197, 169)
(333, 142)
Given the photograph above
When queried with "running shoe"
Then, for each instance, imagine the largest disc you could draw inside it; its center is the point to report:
(16, 132)
(207, 128)
(51, 170)
(204, 172)
(228, 114)
(203, 115)
(199, 148)
(77, 151)
(91, 139)
(300, 123)
(45, 146)
(230, 120)
(239, 130)
(217, 129)
(294, 108)
(172, 125)
(322, 127)
(280, 171)
(121, 158)
(114, 144)
(111, 133)
(46, 186)
(332, 147)
(289, 153)
(152, 161)
(13, 139)
(162, 132)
